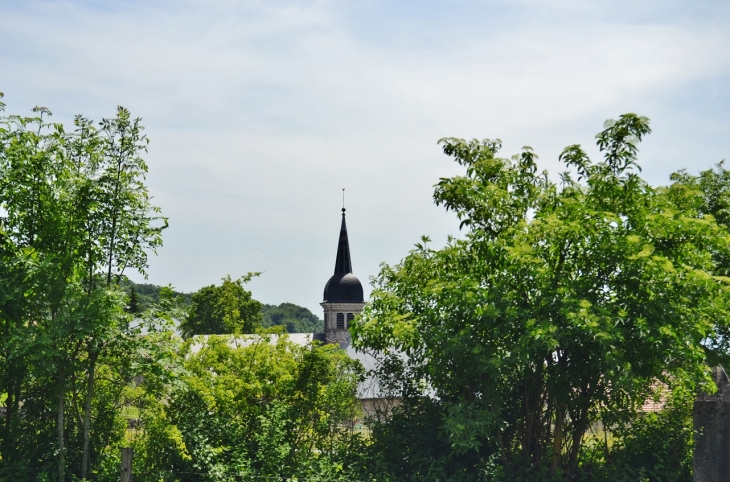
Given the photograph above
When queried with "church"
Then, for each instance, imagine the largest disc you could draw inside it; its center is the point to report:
(343, 295)
(342, 301)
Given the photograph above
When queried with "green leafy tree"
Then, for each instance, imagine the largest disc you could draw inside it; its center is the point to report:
(296, 319)
(218, 310)
(35, 178)
(133, 306)
(262, 407)
(122, 223)
(654, 447)
(148, 294)
(76, 214)
(560, 306)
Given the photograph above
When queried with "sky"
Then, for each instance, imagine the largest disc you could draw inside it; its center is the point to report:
(260, 112)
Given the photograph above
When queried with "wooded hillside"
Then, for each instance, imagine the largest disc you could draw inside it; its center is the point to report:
(296, 319)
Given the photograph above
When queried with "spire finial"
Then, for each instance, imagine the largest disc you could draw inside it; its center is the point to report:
(343, 200)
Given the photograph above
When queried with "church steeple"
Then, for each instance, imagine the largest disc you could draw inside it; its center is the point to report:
(343, 286)
(343, 294)
(343, 263)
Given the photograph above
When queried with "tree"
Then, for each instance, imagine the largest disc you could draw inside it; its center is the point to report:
(272, 409)
(76, 214)
(559, 307)
(218, 310)
(296, 319)
(133, 306)
(149, 294)
(117, 222)
(35, 178)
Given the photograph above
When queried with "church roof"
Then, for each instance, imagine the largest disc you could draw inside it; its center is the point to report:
(343, 286)
(343, 264)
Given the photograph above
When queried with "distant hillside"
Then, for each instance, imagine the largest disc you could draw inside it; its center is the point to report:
(295, 318)
(148, 294)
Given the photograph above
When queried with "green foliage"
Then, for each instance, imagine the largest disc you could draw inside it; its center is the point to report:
(555, 314)
(655, 447)
(560, 306)
(148, 294)
(218, 310)
(75, 215)
(296, 319)
(422, 453)
(133, 306)
(254, 407)
(83, 350)
(707, 195)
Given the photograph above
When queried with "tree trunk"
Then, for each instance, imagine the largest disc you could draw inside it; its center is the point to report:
(87, 414)
(126, 472)
(533, 405)
(503, 454)
(11, 408)
(557, 440)
(581, 426)
(59, 422)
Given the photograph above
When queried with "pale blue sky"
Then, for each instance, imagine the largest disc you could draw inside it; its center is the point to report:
(259, 112)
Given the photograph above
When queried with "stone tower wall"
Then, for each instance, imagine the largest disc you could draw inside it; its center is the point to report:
(331, 332)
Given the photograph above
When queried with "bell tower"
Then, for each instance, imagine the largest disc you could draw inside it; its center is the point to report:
(343, 297)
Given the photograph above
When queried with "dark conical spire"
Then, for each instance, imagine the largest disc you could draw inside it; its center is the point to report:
(343, 286)
(343, 264)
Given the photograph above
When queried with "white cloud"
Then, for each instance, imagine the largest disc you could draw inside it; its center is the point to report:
(259, 112)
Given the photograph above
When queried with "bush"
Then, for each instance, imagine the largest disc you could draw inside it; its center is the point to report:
(656, 447)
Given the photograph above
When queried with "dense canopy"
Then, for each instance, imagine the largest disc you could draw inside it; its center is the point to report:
(562, 303)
